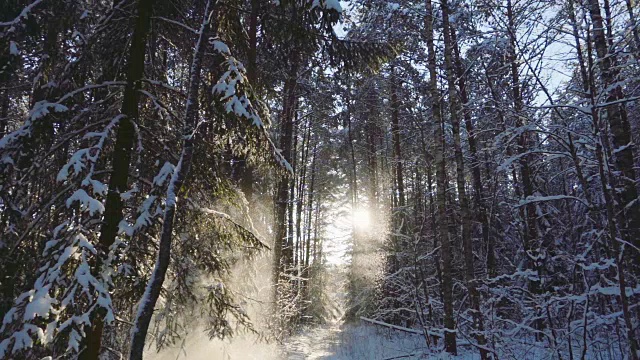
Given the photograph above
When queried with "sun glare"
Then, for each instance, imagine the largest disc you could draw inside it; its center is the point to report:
(361, 219)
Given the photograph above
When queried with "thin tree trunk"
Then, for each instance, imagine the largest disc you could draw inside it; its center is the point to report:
(447, 281)
(281, 252)
(317, 242)
(530, 218)
(306, 270)
(473, 150)
(354, 173)
(290, 239)
(397, 146)
(372, 160)
(492, 270)
(633, 25)
(301, 195)
(461, 183)
(586, 90)
(310, 209)
(4, 112)
(399, 219)
(180, 173)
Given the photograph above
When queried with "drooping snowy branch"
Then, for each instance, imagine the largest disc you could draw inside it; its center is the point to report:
(236, 101)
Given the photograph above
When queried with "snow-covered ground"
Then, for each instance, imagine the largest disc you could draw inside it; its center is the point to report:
(332, 342)
(315, 343)
(369, 342)
(199, 347)
(337, 341)
(360, 342)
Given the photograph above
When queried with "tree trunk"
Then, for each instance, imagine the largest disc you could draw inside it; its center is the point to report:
(300, 199)
(353, 184)
(281, 252)
(121, 160)
(465, 212)
(529, 214)
(482, 216)
(443, 231)
(310, 210)
(616, 115)
(290, 248)
(242, 170)
(372, 163)
(610, 210)
(181, 171)
(397, 146)
(4, 112)
(634, 29)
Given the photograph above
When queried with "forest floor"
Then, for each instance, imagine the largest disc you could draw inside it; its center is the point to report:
(362, 341)
(315, 343)
(332, 341)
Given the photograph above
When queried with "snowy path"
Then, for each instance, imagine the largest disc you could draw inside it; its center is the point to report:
(316, 343)
(333, 341)
(339, 342)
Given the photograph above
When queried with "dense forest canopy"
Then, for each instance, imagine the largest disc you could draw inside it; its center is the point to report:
(473, 161)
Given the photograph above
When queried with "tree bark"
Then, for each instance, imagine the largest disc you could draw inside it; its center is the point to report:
(282, 252)
(4, 112)
(616, 115)
(443, 231)
(397, 145)
(481, 206)
(465, 212)
(610, 209)
(634, 29)
(180, 173)
(372, 161)
(529, 214)
(121, 160)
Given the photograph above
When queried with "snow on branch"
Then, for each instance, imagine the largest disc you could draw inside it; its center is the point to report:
(327, 5)
(236, 102)
(399, 328)
(39, 110)
(23, 14)
(91, 154)
(69, 249)
(536, 199)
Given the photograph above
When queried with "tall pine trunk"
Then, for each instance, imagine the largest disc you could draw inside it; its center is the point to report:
(616, 115)
(528, 212)
(121, 160)
(242, 170)
(481, 206)
(441, 184)
(465, 211)
(282, 251)
(609, 204)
